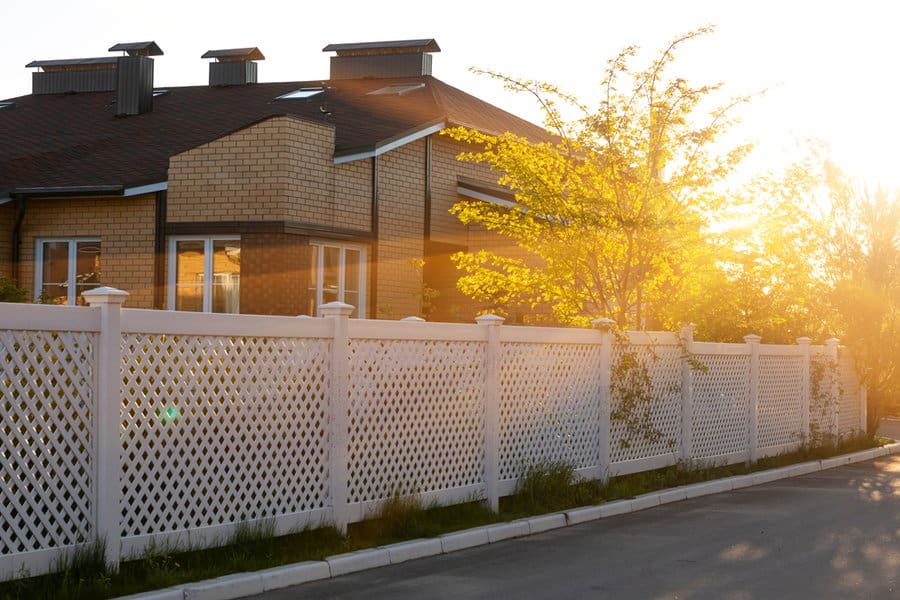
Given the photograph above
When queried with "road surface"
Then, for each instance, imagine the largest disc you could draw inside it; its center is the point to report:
(831, 534)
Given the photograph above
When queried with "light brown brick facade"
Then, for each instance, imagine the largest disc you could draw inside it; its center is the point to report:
(274, 274)
(125, 227)
(281, 171)
(401, 212)
(7, 222)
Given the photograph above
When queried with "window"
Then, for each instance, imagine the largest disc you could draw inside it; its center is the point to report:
(301, 94)
(397, 89)
(65, 268)
(205, 274)
(337, 274)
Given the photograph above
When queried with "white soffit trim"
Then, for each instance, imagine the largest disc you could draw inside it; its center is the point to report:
(146, 189)
(379, 150)
(464, 191)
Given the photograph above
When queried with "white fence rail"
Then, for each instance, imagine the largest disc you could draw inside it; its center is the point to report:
(156, 429)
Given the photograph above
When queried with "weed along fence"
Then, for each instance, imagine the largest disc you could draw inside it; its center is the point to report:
(154, 429)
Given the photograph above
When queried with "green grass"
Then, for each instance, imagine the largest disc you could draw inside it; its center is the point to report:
(546, 487)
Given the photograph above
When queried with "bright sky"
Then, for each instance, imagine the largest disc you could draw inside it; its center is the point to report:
(830, 65)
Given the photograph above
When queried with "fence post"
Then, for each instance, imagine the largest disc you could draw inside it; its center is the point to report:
(491, 324)
(338, 405)
(752, 342)
(108, 512)
(831, 351)
(687, 393)
(605, 367)
(805, 388)
(864, 409)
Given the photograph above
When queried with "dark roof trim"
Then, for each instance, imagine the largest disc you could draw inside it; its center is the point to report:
(485, 191)
(289, 227)
(386, 145)
(70, 62)
(138, 48)
(423, 45)
(69, 191)
(234, 54)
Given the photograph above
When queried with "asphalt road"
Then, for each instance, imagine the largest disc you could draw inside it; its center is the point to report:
(832, 534)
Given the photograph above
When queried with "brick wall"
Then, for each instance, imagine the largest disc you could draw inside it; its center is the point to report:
(7, 222)
(125, 227)
(281, 169)
(274, 274)
(446, 227)
(401, 201)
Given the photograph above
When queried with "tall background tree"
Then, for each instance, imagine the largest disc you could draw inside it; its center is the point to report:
(613, 214)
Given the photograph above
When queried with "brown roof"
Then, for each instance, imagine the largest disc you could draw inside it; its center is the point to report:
(60, 140)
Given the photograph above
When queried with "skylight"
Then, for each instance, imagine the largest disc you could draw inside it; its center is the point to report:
(158, 93)
(301, 94)
(398, 90)
(7, 105)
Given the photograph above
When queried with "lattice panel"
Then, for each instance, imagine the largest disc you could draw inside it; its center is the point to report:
(721, 403)
(648, 429)
(823, 399)
(849, 408)
(780, 394)
(549, 406)
(416, 417)
(222, 429)
(46, 479)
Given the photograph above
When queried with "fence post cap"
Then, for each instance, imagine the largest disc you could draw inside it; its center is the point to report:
(413, 319)
(752, 338)
(832, 342)
(336, 309)
(603, 323)
(104, 295)
(804, 341)
(489, 319)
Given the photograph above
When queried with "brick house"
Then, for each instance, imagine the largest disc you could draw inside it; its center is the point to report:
(238, 196)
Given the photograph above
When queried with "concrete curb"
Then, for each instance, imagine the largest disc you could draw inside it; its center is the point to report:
(247, 584)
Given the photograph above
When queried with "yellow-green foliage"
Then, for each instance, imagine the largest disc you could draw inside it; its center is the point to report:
(612, 210)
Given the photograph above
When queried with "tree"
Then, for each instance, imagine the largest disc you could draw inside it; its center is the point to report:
(863, 246)
(612, 212)
(768, 277)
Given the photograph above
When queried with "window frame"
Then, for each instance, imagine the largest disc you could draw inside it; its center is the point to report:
(72, 267)
(172, 267)
(363, 250)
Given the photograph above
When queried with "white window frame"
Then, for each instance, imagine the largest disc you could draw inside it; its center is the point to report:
(172, 259)
(72, 242)
(342, 271)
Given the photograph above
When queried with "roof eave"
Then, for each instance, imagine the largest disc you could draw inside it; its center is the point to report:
(391, 143)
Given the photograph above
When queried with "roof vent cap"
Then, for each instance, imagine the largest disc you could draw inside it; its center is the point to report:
(137, 48)
(233, 66)
(398, 58)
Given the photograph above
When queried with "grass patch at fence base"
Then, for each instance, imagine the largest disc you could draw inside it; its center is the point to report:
(547, 487)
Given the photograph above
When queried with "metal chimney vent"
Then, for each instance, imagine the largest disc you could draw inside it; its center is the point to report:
(134, 85)
(69, 75)
(399, 58)
(233, 66)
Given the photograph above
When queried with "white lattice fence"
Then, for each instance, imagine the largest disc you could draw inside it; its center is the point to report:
(721, 403)
(780, 401)
(549, 406)
(824, 393)
(221, 430)
(646, 430)
(47, 475)
(416, 419)
(186, 426)
(851, 410)
(46, 379)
